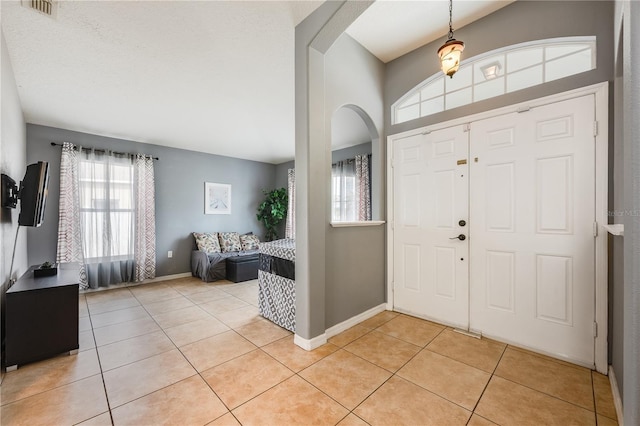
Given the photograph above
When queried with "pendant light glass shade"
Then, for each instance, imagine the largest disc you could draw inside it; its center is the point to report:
(450, 52)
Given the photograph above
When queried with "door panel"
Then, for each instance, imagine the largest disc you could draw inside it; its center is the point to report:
(430, 198)
(531, 226)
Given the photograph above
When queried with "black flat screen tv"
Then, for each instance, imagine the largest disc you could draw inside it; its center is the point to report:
(33, 194)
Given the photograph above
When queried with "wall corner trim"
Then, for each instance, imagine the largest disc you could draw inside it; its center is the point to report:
(310, 344)
(344, 325)
(617, 400)
(316, 342)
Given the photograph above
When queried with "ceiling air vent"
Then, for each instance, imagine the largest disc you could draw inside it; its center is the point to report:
(43, 6)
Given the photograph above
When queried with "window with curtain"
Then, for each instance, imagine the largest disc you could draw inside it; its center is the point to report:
(351, 189)
(107, 215)
(106, 207)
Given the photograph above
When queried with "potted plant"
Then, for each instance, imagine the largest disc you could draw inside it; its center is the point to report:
(272, 211)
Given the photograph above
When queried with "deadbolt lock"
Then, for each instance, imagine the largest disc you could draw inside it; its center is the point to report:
(462, 223)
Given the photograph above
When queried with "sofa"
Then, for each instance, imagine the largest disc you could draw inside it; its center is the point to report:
(212, 251)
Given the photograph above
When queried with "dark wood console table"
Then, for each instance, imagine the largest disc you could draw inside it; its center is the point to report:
(41, 316)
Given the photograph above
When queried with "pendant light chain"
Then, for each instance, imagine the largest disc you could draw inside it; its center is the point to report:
(450, 19)
(449, 53)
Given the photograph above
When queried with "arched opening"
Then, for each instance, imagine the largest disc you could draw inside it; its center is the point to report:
(355, 170)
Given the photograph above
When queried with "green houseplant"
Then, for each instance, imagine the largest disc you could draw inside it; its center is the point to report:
(272, 211)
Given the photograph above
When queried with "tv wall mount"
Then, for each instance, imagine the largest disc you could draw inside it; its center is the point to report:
(9, 192)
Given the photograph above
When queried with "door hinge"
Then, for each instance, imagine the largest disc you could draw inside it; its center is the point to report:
(523, 109)
(595, 229)
(466, 127)
(595, 128)
(595, 329)
(393, 162)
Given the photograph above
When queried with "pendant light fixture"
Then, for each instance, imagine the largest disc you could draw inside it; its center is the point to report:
(449, 53)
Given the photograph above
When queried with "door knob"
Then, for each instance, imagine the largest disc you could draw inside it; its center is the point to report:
(460, 237)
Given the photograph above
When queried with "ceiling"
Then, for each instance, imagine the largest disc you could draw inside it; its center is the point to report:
(208, 76)
(389, 29)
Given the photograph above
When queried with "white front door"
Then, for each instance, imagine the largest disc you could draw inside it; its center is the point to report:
(431, 199)
(532, 192)
(525, 272)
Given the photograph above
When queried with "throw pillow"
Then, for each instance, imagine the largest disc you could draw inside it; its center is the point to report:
(229, 241)
(207, 243)
(249, 242)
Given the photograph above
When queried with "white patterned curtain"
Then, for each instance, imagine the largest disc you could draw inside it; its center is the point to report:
(69, 229)
(351, 189)
(107, 215)
(363, 186)
(290, 230)
(145, 218)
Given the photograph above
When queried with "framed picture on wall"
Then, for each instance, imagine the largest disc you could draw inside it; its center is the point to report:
(217, 198)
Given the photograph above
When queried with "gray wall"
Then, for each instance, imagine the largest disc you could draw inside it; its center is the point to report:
(282, 179)
(13, 149)
(631, 173)
(355, 257)
(179, 176)
(313, 37)
(350, 152)
(616, 201)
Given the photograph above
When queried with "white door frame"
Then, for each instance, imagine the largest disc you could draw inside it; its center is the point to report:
(601, 132)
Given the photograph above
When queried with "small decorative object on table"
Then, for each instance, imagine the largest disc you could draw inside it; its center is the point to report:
(47, 269)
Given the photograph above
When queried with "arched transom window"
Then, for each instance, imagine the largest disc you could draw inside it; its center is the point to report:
(498, 72)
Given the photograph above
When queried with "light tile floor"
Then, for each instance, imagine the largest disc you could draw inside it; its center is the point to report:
(184, 352)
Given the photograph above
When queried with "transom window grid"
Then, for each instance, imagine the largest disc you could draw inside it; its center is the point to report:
(498, 72)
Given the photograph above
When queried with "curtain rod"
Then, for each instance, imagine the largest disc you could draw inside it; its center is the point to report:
(102, 150)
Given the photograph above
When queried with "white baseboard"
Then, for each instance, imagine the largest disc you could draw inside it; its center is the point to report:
(320, 340)
(135, 284)
(167, 278)
(310, 344)
(344, 325)
(617, 400)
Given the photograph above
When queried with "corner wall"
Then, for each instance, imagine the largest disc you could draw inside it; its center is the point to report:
(13, 149)
(355, 256)
(179, 177)
(631, 167)
(616, 194)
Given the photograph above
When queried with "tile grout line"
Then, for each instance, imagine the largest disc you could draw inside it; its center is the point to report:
(104, 384)
(546, 394)
(198, 373)
(351, 411)
(487, 384)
